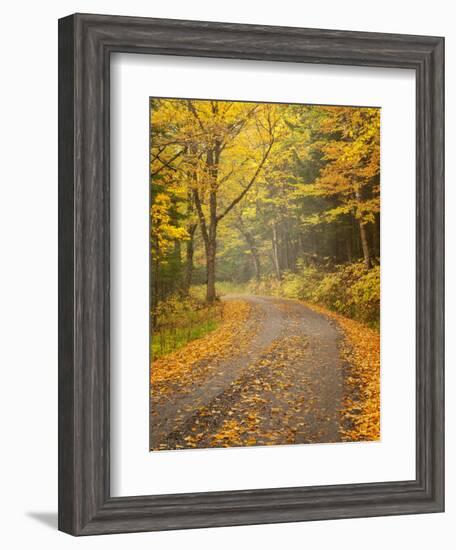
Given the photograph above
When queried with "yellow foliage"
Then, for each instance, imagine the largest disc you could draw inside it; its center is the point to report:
(163, 232)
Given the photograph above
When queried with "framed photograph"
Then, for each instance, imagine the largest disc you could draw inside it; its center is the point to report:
(251, 264)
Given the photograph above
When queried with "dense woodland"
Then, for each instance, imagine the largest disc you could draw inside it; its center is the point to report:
(272, 198)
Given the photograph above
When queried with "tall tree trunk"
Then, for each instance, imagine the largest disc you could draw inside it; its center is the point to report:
(190, 247)
(210, 270)
(376, 236)
(286, 243)
(275, 251)
(363, 234)
(212, 161)
(209, 227)
(348, 247)
(250, 240)
(365, 245)
(255, 256)
(256, 266)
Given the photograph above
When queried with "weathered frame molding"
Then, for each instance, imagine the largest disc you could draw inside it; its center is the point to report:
(85, 45)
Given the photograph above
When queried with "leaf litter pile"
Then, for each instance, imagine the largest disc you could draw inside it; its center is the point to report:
(283, 394)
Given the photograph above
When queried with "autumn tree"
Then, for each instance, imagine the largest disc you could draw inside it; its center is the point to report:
(348, 140)
(222, 148)
(246, 191)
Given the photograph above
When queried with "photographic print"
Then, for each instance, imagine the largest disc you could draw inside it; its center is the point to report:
(264, 274)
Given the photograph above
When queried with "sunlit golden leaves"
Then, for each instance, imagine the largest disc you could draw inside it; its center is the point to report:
(349, 142)
(164, 233)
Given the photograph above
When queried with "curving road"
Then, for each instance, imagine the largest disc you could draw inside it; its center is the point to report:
(293, 364)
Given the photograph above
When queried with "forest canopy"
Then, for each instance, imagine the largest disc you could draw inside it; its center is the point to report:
(279, 198)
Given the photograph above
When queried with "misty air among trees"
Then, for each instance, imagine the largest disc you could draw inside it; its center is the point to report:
(264, 273)
(259, 194)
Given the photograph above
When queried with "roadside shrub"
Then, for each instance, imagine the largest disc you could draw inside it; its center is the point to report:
(351, 290)
(365, 297)
(302, 284)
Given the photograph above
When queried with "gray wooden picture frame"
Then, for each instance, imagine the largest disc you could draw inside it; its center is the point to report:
(85, 45)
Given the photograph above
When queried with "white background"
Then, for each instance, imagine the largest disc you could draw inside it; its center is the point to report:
(28, 299)
(134, 471)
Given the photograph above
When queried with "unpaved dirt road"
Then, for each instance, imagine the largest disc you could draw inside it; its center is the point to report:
(285, 387)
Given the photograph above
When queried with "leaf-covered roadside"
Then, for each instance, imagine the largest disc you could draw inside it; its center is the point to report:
(360, 349)
(177, 372)
(289, 391)
(316, 380)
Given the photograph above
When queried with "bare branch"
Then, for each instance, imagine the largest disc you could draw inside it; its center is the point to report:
(166, 164)
(249, 185)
